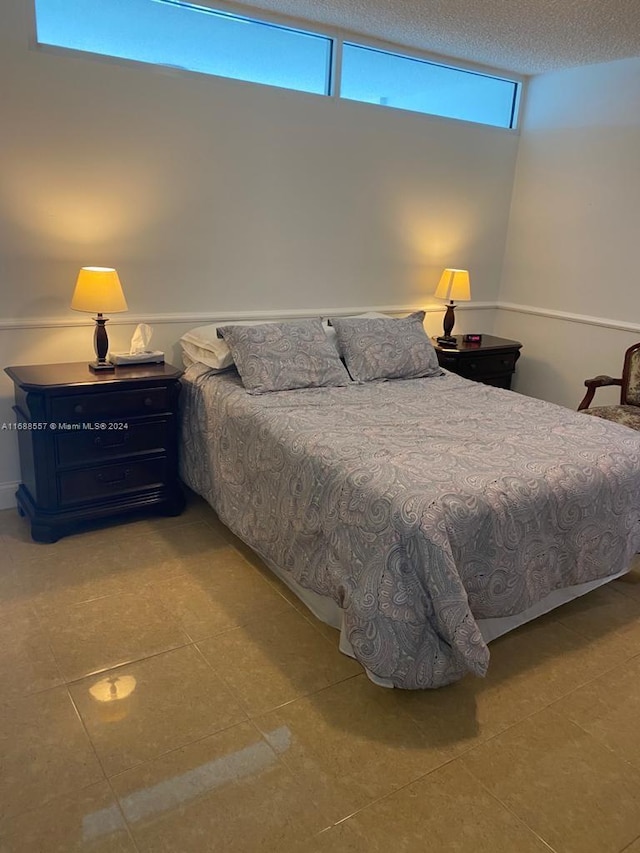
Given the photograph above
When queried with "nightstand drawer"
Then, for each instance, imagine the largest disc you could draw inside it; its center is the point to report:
(110, 480)
(492, 360)
(97, 445)
(487, 365)
(112, 404)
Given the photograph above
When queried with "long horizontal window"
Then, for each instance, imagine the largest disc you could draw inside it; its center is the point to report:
(379, 77)
(195, 38)
(198, 38)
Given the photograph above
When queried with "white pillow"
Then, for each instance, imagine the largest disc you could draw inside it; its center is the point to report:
(219, 360)
(204, 345)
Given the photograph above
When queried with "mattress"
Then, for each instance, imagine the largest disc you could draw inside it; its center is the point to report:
(428, 511)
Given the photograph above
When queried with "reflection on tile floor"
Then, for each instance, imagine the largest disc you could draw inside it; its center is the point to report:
(162, 691)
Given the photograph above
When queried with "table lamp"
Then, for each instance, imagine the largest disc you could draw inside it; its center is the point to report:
(454, 286)
(98, 289)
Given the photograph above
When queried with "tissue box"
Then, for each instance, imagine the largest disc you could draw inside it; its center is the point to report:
(150, 357)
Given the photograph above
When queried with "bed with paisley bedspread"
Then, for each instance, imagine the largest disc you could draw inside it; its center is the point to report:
(421, 509)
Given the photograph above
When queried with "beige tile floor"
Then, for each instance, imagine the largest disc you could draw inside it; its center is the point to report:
(161, 691)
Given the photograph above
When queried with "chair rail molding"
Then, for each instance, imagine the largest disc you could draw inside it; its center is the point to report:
(19, 323)
(569, 317)
(197, 317)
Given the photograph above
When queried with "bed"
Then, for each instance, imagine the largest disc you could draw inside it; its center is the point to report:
(421, 516)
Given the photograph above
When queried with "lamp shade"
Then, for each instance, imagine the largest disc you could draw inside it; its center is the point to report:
(98, 289)
(454, 285)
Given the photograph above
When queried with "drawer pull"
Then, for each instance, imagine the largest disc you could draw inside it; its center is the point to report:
(148, 401)
(78, 408)
(113, 480)
(107, 445)
(473, 365)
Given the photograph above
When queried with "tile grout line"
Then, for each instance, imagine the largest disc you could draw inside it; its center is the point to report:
(252, 716)
(597, 739)
(546, 707)
(104, 773)
(86, 731)
(292, 770)
(446, 763)
(564, 719)
(124, 817)
(100, 765)
(627, 846)
(47, 638)
(294, 775)
(129, 662)
(513, 813)
(177, 748)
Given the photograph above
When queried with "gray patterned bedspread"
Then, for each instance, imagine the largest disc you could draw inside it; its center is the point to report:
(418, 505)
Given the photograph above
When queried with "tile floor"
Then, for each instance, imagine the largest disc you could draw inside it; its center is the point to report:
(161, 691)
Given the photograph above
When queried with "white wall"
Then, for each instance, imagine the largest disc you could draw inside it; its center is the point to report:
(213, 197)
(573, 239)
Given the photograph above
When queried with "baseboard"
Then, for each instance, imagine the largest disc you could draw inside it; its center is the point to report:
(8, 495)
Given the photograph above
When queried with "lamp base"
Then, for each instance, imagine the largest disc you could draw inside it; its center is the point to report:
(447, 341)
(101, 366)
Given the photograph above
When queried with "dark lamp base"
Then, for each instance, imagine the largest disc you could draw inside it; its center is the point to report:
(101, 366)
(101, 347)
(447, 341)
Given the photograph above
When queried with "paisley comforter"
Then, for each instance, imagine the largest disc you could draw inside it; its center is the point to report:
(417, 505)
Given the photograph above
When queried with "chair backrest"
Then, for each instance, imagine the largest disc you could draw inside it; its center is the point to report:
(630, 393)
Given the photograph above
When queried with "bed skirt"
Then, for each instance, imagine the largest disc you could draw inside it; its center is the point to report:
(326, 610)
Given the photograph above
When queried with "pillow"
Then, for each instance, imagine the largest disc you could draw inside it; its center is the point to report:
(386, 348)
(284, 356)
(204, 345)
(218, 361)
(330, 332)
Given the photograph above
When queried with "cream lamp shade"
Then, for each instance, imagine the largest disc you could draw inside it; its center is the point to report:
(454, 285)
(98, 289)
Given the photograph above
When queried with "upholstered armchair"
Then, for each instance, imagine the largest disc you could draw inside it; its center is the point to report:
(628, 411)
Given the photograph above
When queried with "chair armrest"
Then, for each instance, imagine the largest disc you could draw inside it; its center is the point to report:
(592, 385)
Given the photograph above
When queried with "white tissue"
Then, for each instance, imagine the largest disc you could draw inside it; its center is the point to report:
(140, 339)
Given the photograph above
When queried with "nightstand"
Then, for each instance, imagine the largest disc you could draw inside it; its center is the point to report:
(95, 445)
(493, 361)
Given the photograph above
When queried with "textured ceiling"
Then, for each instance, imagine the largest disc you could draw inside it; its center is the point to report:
(525, 36)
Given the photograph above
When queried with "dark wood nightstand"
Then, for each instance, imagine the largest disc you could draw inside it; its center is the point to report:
(493, 361)
(95, 445)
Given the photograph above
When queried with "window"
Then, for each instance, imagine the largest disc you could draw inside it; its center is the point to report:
(188, 36)
(379, 77)
(199, 38)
